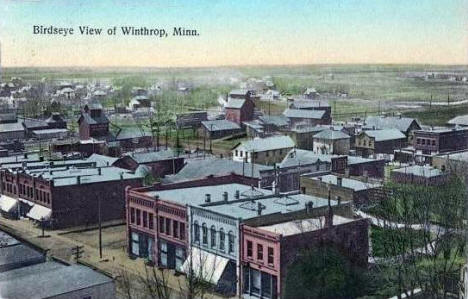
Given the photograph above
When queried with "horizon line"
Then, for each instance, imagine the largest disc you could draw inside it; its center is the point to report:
(244, 65)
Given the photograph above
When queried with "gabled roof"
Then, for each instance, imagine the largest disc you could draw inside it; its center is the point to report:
(235, 103)
(202, 168)
(266, 144)
(148, 157)
(239, 92)
(382, 135)
(331, 135)
(102, 160)
(54, 118)
(102, 119)
(390, 122)
(297, 157)
(276, 120)
(30, 123)
(220, 125)
(304, 113)
(132, 132)
(305, 104)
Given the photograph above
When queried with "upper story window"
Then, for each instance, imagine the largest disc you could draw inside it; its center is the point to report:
(161, 225)
(150, 220)
(204, 234)
(231, 242)
(196, 231)
(221, 239)
(145, 219)
(168, 226)
(138, 217)
(249, 248)
(260, 252)
(175, 228)
(270, 255)
(182, 231)
(132, 215)
(213, 236)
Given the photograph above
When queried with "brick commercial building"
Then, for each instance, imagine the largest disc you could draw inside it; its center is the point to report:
(300, 162)
(268, 250)
(65, 193)
(176, 224)
(338, 187)
(441, 141)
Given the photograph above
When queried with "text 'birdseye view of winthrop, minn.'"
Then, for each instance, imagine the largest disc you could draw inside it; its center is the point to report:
(312, 149)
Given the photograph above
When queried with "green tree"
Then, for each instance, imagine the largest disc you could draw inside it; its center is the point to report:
(323, 272)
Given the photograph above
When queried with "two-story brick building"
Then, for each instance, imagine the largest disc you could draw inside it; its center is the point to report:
(240, 109)
(268, 250)
(66, 193)
(93, 123)
(441, 140)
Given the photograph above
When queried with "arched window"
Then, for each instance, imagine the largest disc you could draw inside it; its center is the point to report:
(204, 234)
(213, 236)
(196, 231)
(222, 238)
(231, 242)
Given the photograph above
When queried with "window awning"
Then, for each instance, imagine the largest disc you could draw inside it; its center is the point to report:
(7, 204)
(26, 201)
(206, 266)
(39, 212)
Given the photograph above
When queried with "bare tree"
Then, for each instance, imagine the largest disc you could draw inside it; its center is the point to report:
(422, 242)
(156, 282)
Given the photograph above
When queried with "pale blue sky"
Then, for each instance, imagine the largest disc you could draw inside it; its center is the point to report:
(239, 32)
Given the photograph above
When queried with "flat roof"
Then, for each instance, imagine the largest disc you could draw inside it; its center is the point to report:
(245, 209)
(296, 227)
(356, 185)
(417, 170)
(48, 280)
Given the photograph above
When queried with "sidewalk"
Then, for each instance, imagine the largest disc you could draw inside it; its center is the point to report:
(115, 260)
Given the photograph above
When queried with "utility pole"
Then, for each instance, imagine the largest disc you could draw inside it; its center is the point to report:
(77, 252)
(211, 130)
(100, 227)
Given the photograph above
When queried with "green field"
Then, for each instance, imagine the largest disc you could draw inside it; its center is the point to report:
(370, 89)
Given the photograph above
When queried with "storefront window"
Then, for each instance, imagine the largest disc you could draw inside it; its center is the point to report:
(135, 244)
(163, 254)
